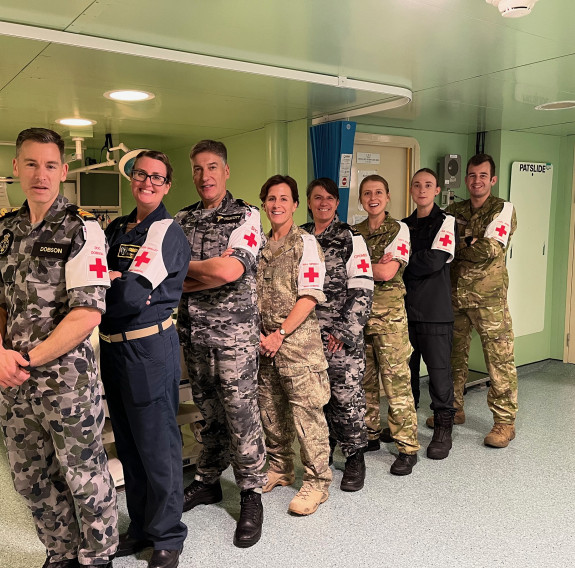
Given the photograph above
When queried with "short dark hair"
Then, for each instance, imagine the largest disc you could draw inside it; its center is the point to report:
(374, 177)
(328, 184)
(212, 146)
(276, 180)
(426, 171)
(42, 135)
(161, 157)
(479, 159)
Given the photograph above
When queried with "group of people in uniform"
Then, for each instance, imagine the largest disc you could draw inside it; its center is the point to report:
(285, 335)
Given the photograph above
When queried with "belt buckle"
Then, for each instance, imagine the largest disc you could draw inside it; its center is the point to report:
(106, 338)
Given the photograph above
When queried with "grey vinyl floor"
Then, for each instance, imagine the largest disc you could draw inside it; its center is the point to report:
(481, 507)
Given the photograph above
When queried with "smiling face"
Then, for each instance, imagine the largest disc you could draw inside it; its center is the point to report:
(374, 198)
(423, 189)
(279, 205)
(40, 170)
(210, 175)
(147, 195)
(322, 204)
(479, 182)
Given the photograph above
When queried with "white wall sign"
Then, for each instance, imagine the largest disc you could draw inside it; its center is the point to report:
(530, 193)
(368, 158)
(345, 170)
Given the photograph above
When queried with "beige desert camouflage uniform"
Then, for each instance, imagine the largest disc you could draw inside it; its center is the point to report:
(52, 423)
(479, 283)
(388, 349)
(294, 385)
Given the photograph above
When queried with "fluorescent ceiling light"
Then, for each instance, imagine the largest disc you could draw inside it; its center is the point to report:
(513, 8)
(556, 105)
(129, 95)
(76, 121)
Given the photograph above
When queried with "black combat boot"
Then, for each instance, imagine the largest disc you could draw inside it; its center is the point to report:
(403, 464)
(200, 493)
(249, 527)
(440, 444)
(354, 472)
(332, 445)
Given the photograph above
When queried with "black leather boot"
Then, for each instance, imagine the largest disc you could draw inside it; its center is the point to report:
(403, 464)
(441, 443)
(354, 472)
(249, 527)
(200, 493)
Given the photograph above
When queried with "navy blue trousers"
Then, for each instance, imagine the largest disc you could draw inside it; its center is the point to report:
(141, 379)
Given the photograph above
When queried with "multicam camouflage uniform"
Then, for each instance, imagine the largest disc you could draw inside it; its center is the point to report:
(387, 342)
(52, 423)
(294, 385)
(219, 331)
(349, 294)
(479, 284)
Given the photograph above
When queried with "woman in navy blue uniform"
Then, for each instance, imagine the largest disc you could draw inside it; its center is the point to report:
(140, 361)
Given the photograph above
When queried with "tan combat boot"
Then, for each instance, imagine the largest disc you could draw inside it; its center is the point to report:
(459, 418)
(500, 435)
(307, 500)
(276, 478)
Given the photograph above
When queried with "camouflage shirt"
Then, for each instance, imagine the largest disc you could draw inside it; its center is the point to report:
(282, 279)
(348, 283)
(47, 269)
(228, 313)
(388, 303)
(478, 272)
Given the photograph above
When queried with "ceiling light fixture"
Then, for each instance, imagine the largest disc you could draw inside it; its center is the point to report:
(75, 121)
(127, 95)
(513, 8)
(556, 105)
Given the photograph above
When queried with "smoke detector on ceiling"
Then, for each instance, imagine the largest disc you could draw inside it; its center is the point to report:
(513, 8)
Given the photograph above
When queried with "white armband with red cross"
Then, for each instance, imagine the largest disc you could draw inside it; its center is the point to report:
(248, 236)
(445, 238)
(359, 271)
(399, 247)
(311, 273)
(89, 267)
(149, 262)
(500, 228)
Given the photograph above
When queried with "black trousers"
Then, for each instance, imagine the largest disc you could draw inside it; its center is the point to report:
(432, 341)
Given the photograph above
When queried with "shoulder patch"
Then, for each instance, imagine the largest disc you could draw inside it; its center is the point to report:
(82, 213)
(5, 212)
(240, 201)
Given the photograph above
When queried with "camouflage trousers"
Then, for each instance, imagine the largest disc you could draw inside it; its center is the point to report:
(224, 387)
(388, 355)
(345, 411)
(291, 403)
(59, 466)
(494, 327)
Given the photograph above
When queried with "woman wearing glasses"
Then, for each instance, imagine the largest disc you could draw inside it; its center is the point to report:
(140, 361)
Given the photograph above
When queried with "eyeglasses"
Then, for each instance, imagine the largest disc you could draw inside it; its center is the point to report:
(142, 176)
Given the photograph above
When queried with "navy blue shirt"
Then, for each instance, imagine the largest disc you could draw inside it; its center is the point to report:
(153, 258)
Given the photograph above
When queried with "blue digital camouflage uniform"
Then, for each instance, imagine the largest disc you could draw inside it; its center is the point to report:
(348, 289)
(387, 344)
(141, 376)
(479, 284)
(52, 423)
(294, 385)
(219, 330)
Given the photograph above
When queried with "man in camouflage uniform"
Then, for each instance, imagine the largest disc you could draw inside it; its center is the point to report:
(479, 284)
(218, 324)
(53, 278)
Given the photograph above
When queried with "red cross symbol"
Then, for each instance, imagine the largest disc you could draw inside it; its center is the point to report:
(501, 230)
(251, 240)
(403, 249)
(445, 240)
(142, 258)
(311, 274)
(99, 268)
(363, 265)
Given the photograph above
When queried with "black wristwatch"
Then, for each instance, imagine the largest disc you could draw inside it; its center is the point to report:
(26, 357)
